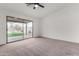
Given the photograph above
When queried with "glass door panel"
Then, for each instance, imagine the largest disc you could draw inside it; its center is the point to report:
(15, 31)
(29, 29)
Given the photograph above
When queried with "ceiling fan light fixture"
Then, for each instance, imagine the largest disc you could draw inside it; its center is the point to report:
(36, 6)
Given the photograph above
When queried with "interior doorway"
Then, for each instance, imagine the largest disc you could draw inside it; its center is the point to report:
(18, 30)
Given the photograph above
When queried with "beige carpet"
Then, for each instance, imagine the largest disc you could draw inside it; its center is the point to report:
(40, 47)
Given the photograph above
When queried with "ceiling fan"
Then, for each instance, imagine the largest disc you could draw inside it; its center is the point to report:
(35, 5)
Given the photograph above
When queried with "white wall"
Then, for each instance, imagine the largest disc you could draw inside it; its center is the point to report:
(2, 30)
(4, 13)
(36, 28)
(62, 25)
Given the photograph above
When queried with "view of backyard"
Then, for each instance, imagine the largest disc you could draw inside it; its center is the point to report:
(15, 29)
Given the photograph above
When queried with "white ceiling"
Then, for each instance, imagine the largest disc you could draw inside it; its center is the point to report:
(37, 13)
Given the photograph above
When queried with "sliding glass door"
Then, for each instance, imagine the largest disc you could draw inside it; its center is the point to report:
(18, 30)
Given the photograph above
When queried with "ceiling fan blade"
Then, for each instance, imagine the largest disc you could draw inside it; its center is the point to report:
(40, 5)
(29, 4)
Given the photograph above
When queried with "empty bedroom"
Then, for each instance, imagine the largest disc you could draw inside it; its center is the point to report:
(39, 29)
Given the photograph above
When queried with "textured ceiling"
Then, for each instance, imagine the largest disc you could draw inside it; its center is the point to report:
(37, 13)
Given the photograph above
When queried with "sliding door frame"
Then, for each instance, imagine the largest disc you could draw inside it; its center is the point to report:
(23, 28)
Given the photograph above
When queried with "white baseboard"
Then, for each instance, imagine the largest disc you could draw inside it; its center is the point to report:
(58, 39)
